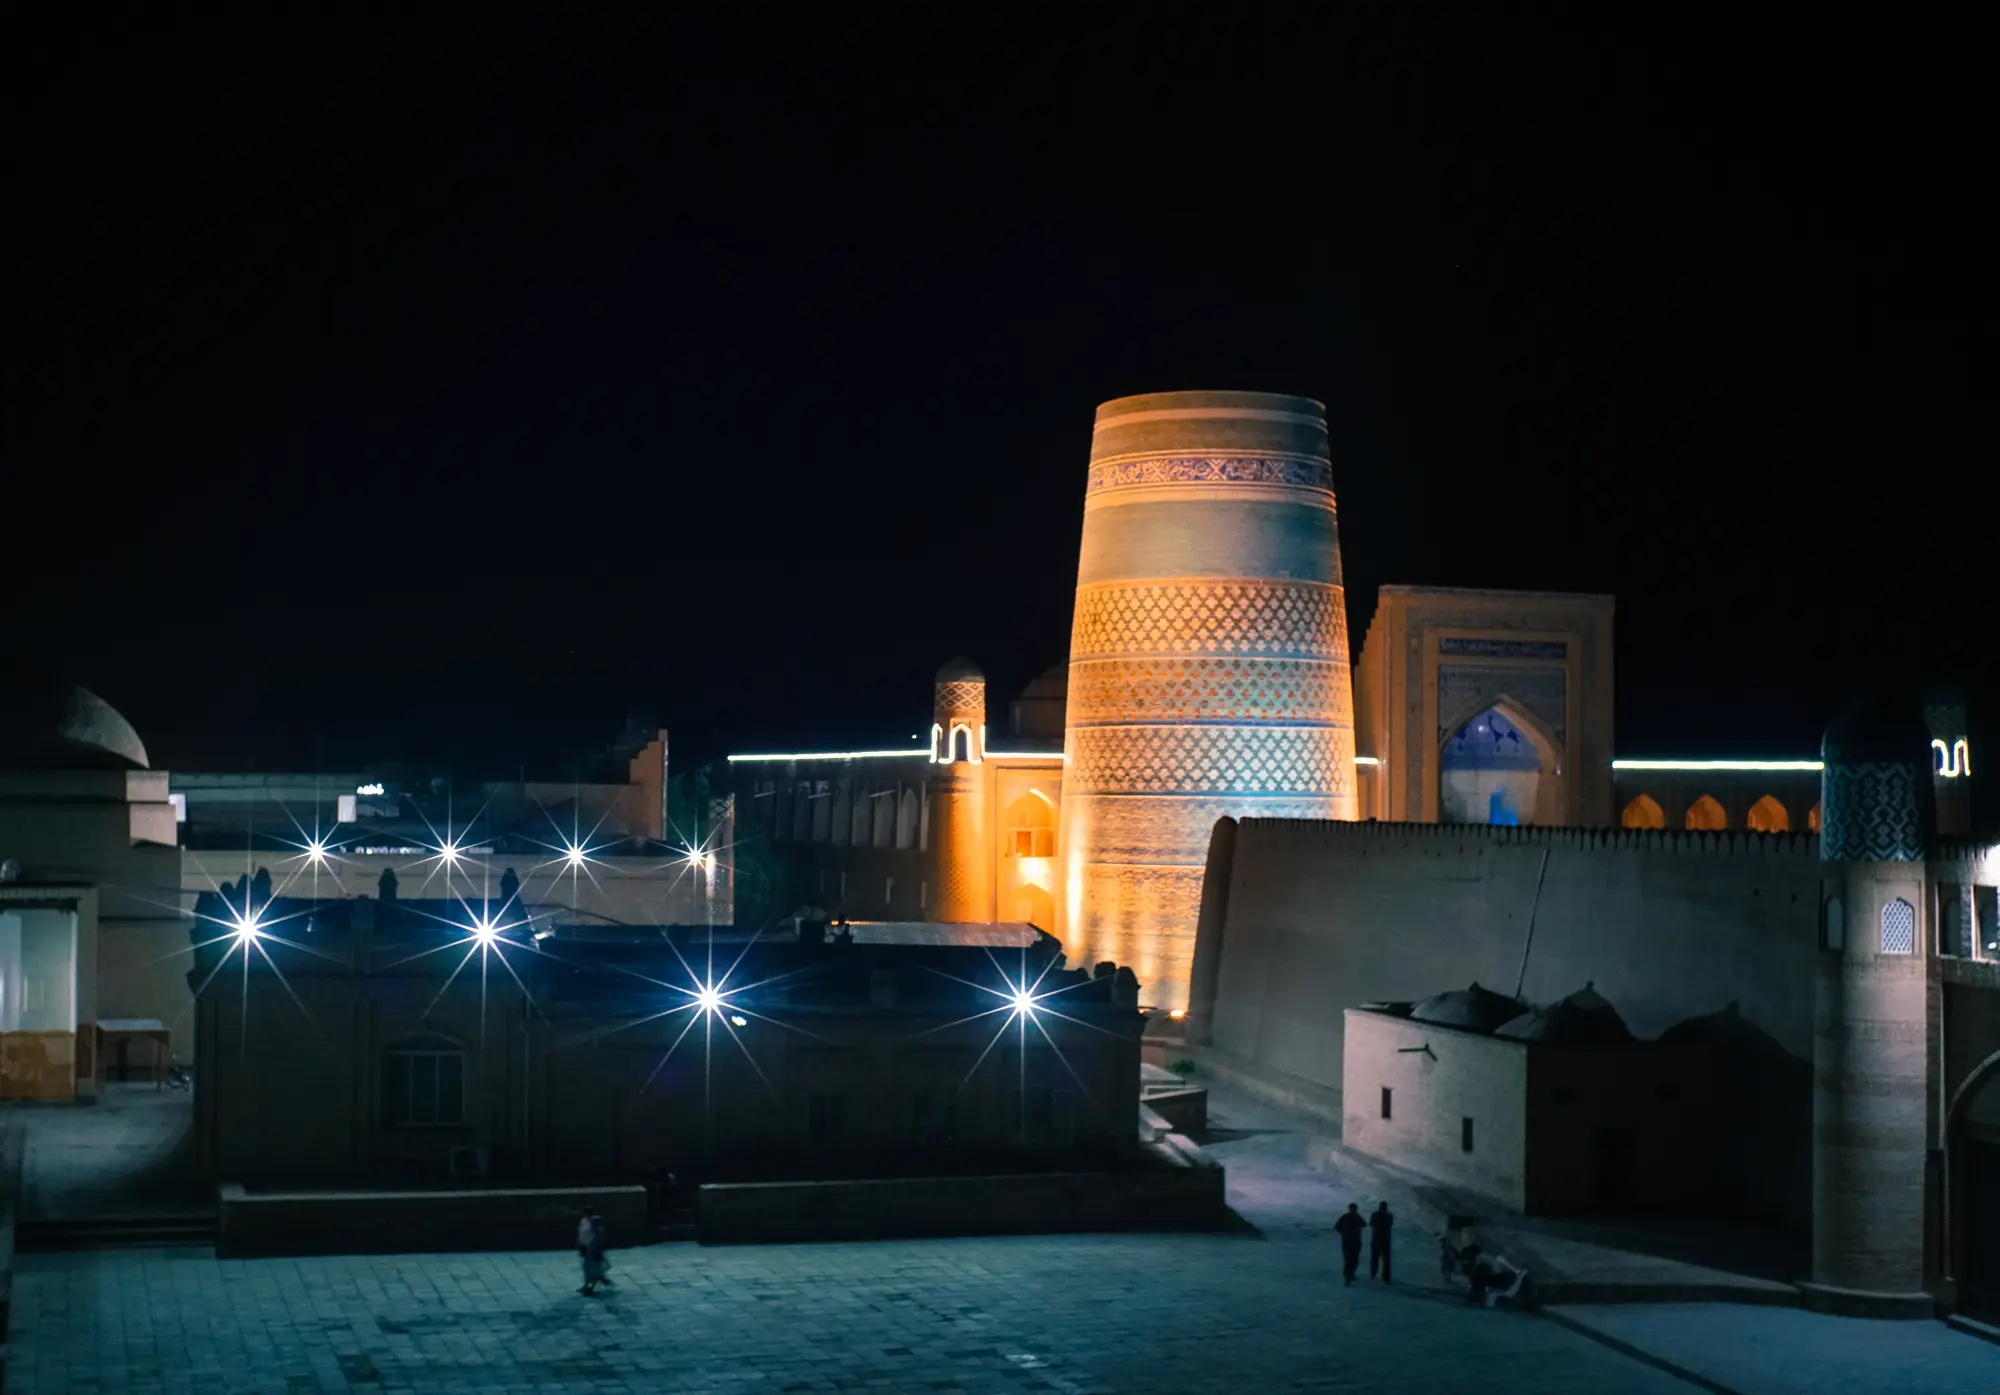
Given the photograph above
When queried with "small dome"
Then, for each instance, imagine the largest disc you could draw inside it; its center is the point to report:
(61, 726)
(1878, 731)
(1584, 1018)
(960, 670)
(1053, 683)
(1473, 1009)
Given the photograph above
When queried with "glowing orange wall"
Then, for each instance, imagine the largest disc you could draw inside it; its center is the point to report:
(1208, 663)
(962, 845)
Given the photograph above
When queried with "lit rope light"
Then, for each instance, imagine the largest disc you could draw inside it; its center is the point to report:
(1802, 766)
(1367, 760)
(1953, 761)
(917, 754)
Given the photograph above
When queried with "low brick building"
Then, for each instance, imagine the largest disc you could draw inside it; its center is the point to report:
(373, 1043)
(1549, 1111)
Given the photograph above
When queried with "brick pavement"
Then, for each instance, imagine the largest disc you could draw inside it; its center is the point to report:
(1128, 1313)
(1785, 1351)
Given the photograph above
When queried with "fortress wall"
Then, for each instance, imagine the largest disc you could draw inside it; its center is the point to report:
(1669, 925)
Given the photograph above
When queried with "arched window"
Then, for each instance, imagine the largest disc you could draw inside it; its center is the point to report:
(883, 835)
(1706, 815)
(1899, 927)
(423, 1083)
(1767, 815)
(1812, 818)
(1833, 932)
(906, 819)
(1644, 812)
(842, 819)
(1030, 827)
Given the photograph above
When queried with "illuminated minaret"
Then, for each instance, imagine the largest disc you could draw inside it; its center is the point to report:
(1208, 663)
(960, 848)
(1951, 760)
(1872, 1088)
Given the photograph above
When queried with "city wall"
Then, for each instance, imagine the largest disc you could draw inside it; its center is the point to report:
(1669, 925)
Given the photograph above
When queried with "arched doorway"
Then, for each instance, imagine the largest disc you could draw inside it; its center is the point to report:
(1496, 769)
(1705, 815)
(1975, 1192)
(1767, 815)
(1644, 812)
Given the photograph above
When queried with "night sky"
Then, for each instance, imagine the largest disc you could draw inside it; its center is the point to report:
(373, 394)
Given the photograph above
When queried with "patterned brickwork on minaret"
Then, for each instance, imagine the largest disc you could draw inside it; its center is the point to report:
(1872, 1085)
(961, 850)
(1208, 663)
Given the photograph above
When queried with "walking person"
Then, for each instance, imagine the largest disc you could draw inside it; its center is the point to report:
(1379, 1226)
(593, 1238)
(1349, 1228)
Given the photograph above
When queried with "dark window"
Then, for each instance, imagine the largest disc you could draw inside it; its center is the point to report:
(1954, 921)
(1465, 1135)
(1986, 907)
(423, 1083)
(1388, 1098)
(1833, 926)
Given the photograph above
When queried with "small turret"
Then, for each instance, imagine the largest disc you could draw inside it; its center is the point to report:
(960, 848)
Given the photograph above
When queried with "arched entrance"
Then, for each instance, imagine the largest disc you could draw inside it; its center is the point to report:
(1644, 812)
(1975, 1192)
(1498, 768)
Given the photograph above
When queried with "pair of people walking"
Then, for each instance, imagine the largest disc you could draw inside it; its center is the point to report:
(593, 1238)
(1378, 1226)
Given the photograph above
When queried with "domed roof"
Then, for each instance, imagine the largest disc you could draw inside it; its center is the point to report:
(1474, 1009)
(1053, 683)
(61, 726)
(960, 670)
(1875, 731)
(1584, 1018)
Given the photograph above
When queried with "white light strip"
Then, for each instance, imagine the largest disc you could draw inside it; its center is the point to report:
(1813, 766)
(1367, 760)
(918, 753)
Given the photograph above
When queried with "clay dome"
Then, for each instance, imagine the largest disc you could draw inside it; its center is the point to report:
(58, 726)
(960, 670)
(1878, 730)
(1584, 1018)
(1053, 683)
(1473, 1009)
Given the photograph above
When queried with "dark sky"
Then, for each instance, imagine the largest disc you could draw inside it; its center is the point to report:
(377, 393)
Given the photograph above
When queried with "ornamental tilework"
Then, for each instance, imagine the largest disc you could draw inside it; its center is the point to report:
(1268, 618)
(962, 694)
(1211, 760)
(1144, 831)
(1480, 648)
(1465, 690)
(1212, 469)
(1234, 689)
(1143, 918)
(1871, 813)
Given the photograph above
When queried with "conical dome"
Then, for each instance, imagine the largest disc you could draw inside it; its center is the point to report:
(960, 670)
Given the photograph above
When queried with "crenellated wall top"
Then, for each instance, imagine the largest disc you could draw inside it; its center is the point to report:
(1731, 843)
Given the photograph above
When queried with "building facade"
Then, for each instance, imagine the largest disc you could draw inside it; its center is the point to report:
(385, 1042)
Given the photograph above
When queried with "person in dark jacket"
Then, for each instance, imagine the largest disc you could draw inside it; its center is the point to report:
(1349, 1227)
(1379, 1226)
(593, 1238)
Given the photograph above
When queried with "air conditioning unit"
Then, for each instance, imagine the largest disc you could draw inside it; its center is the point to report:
(467, 1161)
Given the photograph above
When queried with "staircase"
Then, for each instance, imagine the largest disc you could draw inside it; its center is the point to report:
(116, 1233)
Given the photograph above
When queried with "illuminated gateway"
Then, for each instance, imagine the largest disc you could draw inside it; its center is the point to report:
(1208, 677)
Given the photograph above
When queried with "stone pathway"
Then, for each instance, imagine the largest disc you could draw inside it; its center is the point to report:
(1075, 1314)
(131, 1154)
(1770, 1351)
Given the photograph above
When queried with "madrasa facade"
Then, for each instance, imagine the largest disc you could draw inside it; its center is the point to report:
(1276, 839)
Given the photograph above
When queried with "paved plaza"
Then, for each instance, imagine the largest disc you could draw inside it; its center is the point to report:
(1260, 1309)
